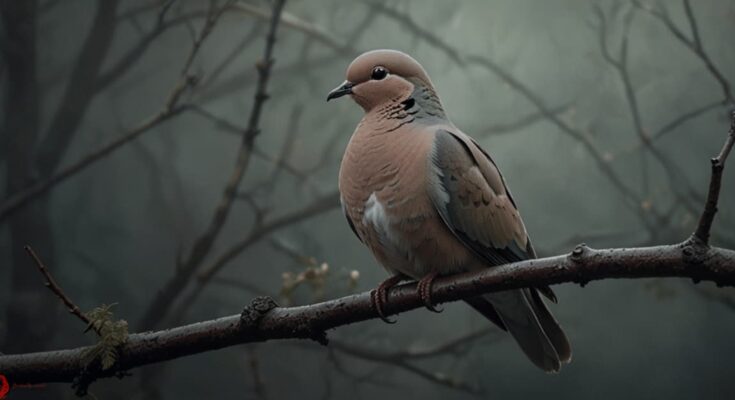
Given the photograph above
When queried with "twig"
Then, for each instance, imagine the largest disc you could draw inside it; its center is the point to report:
(450, 347)
(293, 22)
(694, 43)
(171, 108)
(251, 37)
(55, 288)
(671, 126)
(310, 322)
(257, 376)
(521, 123)
(400, 359)
(129, 58)
(241, 285)
(24, 197)
(408, 23)
(321, 205)
(80, 89)
(718, 165)
(676, 177)
(681, 119)
(720, 295)
(376, 356)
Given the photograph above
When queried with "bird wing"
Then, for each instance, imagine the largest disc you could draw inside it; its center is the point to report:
(471, 197)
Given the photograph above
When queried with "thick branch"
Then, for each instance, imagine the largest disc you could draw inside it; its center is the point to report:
(581, 266)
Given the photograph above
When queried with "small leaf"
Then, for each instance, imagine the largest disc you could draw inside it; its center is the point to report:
(113, 334)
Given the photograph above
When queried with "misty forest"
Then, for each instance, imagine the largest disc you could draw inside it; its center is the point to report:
(170, 220)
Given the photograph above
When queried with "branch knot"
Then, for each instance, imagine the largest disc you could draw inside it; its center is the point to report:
(253, 313)
(694, 251)
(578, 252)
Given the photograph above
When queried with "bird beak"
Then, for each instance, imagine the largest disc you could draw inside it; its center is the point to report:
(341, 90)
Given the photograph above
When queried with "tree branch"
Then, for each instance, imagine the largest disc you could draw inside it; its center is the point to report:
(163, 300)
(694, 43)
(170, 109)
(718, 165)
(55, 288)
(260, 323)
(80, 89)
(679, 184)
(24, 197)
(263, 320)
(321, 205)
(377, 356)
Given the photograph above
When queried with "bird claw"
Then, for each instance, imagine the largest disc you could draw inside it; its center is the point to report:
(379, 296)
(378, 300)
(424, 289)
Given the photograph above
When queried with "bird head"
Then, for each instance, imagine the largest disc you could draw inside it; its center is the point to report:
(381, 76)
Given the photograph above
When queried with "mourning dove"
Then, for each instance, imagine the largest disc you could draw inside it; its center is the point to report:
(427, 200)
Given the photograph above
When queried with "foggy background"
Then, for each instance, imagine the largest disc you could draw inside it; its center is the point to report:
(557, 121)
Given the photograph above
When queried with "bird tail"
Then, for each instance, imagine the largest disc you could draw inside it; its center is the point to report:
(531, 324)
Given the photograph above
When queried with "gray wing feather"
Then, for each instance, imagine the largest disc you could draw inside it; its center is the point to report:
(485, 222)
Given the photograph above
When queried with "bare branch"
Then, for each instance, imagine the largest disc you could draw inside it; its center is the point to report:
(128, 59)
(257, 376)
(170, 109)
(291, 21)
(163, 300)
(677, 179)
(681, 119)
(408, 23)
(22, 198)
(380, 357)
(55, 288)
(450, 347)
(80, 89)
(521, 123)
(323, 204)
(261, 321)
(694, 43)
(718, 165)
(241, 285)
(720, 295)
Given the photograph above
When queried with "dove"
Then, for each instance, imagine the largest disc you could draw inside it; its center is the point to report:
(428, 201)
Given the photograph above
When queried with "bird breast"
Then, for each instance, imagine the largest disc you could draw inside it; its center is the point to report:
(383, 183)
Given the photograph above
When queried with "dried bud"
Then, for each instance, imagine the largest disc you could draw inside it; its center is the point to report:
(354, 275)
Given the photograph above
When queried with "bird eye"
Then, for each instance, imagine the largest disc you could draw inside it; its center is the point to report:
(379, 73)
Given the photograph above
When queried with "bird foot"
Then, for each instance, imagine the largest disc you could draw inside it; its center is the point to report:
(424, 289)
(379, 296)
